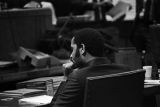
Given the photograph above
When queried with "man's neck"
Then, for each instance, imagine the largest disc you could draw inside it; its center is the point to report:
(88, 58)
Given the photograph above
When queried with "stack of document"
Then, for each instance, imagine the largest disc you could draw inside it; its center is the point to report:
(6, 63)
(152, 81)
(42, 83)
(21, 93)
(36, 101)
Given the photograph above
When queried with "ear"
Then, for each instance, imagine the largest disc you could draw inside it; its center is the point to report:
(82, 49)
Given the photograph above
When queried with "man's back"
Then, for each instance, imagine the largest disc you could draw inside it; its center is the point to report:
(72, 94)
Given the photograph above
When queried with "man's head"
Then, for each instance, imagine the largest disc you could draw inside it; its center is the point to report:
(87, 43)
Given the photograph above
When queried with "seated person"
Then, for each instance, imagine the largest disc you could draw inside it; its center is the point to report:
(96, 9)
(79, 7)
(88, 59)
(42, 4)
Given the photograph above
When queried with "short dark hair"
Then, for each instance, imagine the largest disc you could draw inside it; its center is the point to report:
(92, 39)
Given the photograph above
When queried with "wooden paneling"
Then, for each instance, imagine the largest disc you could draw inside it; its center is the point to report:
(22, 27)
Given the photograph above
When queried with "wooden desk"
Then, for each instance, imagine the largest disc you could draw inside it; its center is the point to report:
(9, 77)
(151, 89)
(150, 93)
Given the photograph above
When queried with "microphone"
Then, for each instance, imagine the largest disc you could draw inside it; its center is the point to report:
(59, 34)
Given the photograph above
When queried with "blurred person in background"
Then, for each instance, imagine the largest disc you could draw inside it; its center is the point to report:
(42, 4)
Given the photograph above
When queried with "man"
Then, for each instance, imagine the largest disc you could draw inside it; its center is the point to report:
(88, 56)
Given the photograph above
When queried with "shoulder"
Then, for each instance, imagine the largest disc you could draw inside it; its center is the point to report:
(115, 68)
(46, 4)
(103, 69)
(32, 4)
(98, 68)
(79, 73)
(119, 66)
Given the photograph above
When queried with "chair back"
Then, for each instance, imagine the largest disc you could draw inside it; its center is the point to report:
(115, 90)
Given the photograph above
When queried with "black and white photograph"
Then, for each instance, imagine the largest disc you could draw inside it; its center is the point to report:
(79, 53)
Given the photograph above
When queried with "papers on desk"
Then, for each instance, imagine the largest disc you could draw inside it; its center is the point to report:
(39, 83)
(37, 100)
(24, 92)
(151, 81)
(6, 63)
